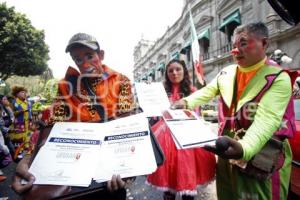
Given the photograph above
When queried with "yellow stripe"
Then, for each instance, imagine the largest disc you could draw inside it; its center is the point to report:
(253, 67)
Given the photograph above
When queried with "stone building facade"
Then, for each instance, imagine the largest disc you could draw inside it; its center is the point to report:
(215, 21)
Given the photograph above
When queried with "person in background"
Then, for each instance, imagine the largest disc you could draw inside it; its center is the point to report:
(8, 119)
(22, 124)
(183, 170)
(5, 157)
(256, 109)
(8, 116)
(95, 93)
(296, 90)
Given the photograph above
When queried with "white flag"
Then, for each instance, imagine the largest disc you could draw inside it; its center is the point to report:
(197, 61)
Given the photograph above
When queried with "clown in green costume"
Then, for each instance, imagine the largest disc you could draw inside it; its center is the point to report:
(255, 97)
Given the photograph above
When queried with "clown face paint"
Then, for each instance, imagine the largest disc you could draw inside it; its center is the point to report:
(87, 60)
(248, 49)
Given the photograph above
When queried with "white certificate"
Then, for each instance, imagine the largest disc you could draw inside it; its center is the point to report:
(75, 153)
(152, 98)
(68, 156)
(126, 149)
(187, 129)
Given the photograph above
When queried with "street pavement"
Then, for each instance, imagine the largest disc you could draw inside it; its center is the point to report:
(141, 191)
(5, 190)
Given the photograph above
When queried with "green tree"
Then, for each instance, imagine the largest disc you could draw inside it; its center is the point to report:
(50, 90)
(4, 88)
(23, 50)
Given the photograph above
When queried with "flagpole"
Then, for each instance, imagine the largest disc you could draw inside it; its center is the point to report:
(195, 48)
(193, 69)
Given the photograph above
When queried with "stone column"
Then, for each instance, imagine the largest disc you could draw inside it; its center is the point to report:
(256, 10)
(272, 21)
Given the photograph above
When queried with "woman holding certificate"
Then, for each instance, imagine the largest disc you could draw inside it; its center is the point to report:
(183, 169)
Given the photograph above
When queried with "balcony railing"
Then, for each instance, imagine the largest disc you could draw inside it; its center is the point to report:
(224, 50)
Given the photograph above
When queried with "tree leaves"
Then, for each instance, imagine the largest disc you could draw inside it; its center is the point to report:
(23, 50)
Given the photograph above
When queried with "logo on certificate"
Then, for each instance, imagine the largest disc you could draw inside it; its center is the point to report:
(78, 155)
(132, 149)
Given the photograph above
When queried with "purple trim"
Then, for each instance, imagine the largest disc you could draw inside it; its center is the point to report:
(270, 79)
(276, 186)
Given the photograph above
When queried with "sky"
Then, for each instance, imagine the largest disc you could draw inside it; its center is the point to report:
(118, 26)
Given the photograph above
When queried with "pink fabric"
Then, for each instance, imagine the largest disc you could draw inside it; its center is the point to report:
(175, 93)
(276, 186)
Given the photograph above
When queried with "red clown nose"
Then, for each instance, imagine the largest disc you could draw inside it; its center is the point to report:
(235, 51)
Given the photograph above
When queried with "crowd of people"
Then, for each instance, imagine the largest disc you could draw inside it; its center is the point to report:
(18, 130)
(255, 120)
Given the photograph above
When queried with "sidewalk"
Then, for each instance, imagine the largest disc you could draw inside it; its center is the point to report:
(140, 191)
(5, 190)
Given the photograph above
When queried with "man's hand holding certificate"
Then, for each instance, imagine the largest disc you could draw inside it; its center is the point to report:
(187, 129)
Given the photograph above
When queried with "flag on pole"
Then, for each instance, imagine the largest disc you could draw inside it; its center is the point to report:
(197, 61)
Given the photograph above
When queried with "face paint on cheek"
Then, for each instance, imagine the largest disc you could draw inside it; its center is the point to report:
(243, 42)
(250, 45)
(96, 63)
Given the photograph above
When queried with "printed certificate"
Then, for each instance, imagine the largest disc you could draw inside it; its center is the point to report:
(187, 129)
(126, 149)
(68, 156)
(75, 153)
(152, 98)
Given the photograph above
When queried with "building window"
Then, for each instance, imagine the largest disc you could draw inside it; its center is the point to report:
(161, 69)
(151, 75)
(203, 39)
(230, 23)
(175, 55)
(145, 77)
